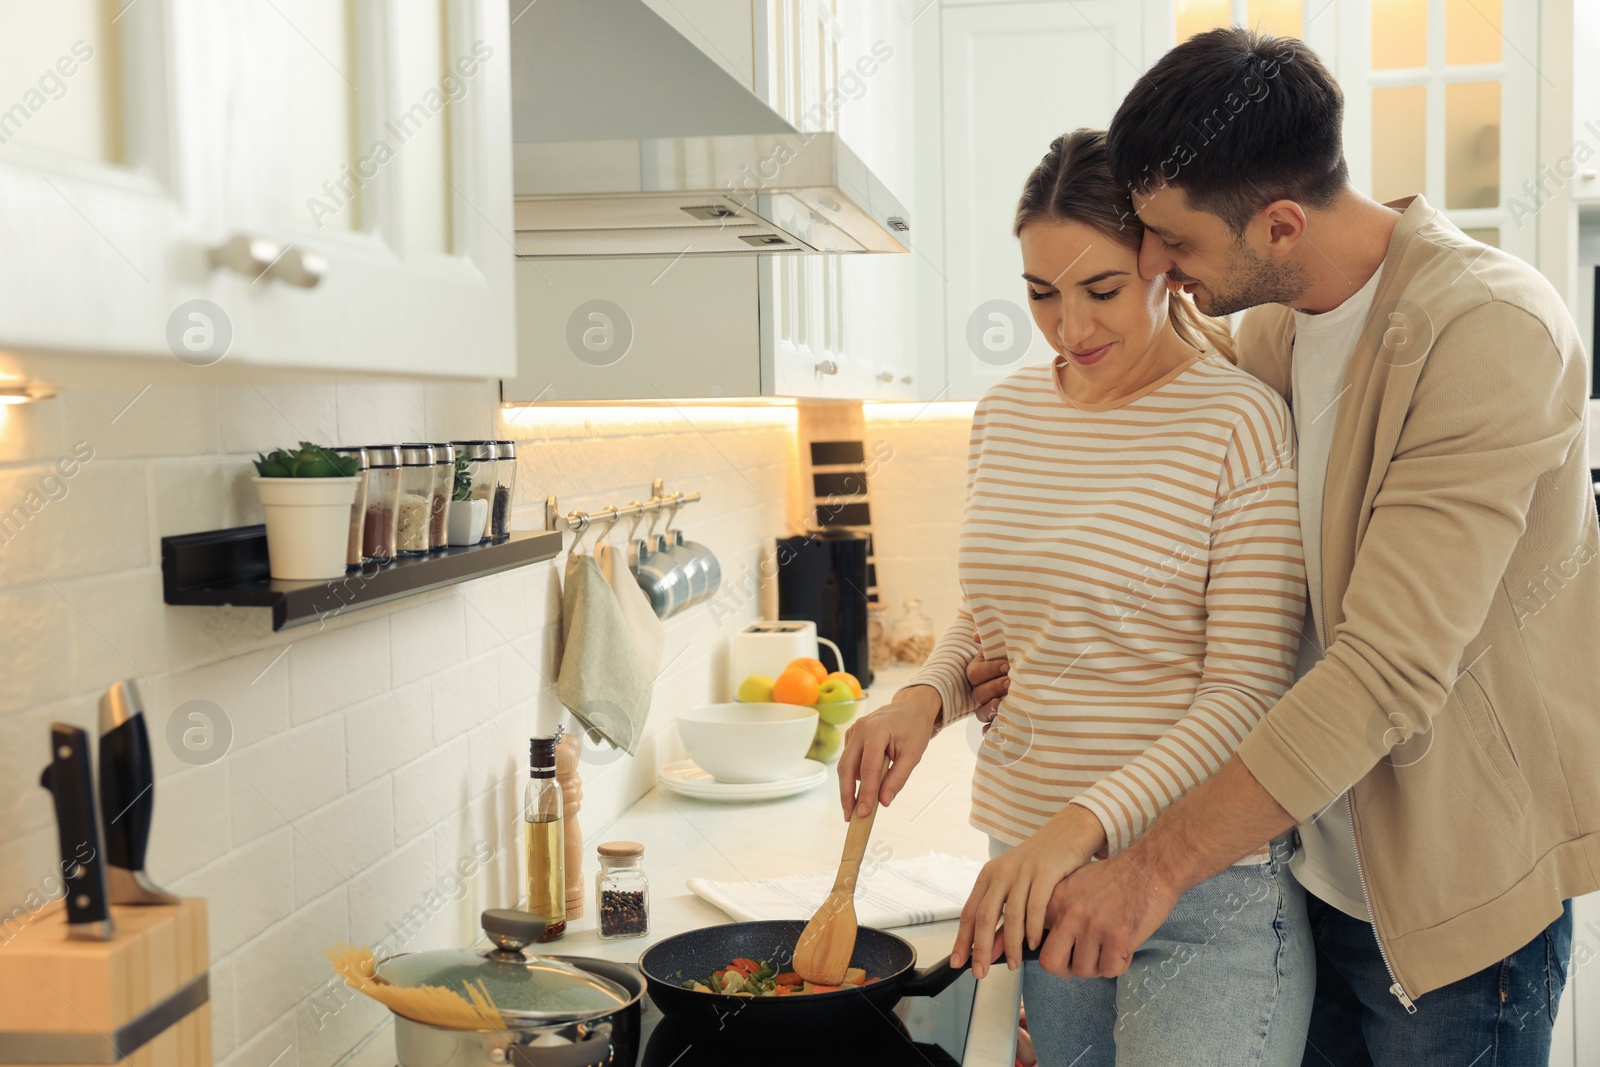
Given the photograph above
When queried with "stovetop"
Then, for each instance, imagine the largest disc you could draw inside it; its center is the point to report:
(918, 1033)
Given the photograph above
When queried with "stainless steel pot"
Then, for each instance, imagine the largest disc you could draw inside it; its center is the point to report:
(561, 1011)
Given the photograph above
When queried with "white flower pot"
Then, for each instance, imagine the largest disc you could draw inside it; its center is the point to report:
(308, 525)
(466, 522)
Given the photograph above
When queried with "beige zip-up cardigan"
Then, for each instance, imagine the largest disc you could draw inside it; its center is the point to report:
(1460, 697)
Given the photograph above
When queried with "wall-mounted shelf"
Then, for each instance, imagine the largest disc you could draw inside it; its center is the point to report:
(221, 567)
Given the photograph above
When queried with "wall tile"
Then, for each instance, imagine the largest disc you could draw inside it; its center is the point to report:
(256, 419)
(337, 668)
(465, 696)
(112, 637)
(252, 690)
(188, 830)
(277, 971)
(224, 1032)
(335, 843)
(427, 638)
(133, 423)
(395, 899)
(275, 782)
(430, 788)
(387, 731)
(380, 413)
(36, 656)
(246, 890)
(275, 1046)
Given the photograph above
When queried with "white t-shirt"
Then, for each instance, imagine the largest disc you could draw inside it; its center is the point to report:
(1326, 862)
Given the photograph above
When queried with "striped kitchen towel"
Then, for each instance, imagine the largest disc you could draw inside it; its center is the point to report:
(891, 893)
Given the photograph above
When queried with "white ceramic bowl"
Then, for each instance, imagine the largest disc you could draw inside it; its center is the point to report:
(747, 743)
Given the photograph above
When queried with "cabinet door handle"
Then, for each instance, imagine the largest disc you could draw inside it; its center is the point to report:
(258, 257)
(827, 366)
(906, 380)
(886, 376)
(299, 268)
(243, 254)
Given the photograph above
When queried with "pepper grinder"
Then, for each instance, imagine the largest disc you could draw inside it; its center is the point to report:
(568, 754)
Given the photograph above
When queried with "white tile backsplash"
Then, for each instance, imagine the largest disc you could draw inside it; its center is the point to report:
(373, 756)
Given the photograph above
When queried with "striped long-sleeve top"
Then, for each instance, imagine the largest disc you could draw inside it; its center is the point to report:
(1139, 564)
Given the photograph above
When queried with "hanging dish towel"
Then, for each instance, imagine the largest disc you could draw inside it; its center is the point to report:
(601, 680)
(927, 889)
(637, 614)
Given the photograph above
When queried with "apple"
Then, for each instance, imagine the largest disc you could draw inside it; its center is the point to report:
(826, 743)
(833, 691)
(756, 689)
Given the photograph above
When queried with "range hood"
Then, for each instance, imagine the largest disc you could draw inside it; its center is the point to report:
(629, 140)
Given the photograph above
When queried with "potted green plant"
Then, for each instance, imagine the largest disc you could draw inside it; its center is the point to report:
(467, 515)
(306, 494)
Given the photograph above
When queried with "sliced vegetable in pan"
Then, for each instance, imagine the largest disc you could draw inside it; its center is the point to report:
(745, 977)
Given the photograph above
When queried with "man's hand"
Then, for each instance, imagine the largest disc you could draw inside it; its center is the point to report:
(1019, 884)
(1099, 915)
(893, 737)
(991, 680)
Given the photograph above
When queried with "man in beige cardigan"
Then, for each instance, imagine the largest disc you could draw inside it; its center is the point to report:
(1439, 753)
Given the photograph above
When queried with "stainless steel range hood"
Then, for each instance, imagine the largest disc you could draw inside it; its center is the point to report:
(629, 140)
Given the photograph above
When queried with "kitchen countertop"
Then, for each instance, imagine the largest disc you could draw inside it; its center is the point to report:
(687, 838)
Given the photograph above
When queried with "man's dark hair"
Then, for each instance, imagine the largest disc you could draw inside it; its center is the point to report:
(1236, 119)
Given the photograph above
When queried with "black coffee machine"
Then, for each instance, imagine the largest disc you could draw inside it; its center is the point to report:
(822, 577)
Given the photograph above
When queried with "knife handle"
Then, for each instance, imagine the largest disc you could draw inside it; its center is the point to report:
(71, 783)
(127, 793)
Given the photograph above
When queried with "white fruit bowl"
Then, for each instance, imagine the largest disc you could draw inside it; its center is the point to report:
(747, 743)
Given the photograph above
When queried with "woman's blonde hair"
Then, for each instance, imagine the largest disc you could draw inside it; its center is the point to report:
(1073, 183)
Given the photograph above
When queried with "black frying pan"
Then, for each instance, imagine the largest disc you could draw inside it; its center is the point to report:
(697, 953)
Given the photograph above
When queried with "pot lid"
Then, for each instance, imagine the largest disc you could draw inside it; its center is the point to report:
(526, 988)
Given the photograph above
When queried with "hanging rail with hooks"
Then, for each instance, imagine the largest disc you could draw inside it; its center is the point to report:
(579, 521)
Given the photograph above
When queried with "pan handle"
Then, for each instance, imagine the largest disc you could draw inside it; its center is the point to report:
(931, 981)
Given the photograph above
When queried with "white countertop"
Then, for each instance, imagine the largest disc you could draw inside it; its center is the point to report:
(687, 838)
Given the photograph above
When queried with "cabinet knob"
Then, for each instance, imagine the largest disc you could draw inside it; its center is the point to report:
(299, 268)
(886, 376)
(1589, 175)
(258, 257)
(906, 380)
(827, 366)
(243, 254)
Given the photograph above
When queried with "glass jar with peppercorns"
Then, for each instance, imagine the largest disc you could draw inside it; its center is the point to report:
(622, 891)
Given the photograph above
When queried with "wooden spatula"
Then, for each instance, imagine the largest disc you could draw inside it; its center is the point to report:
(823, 951)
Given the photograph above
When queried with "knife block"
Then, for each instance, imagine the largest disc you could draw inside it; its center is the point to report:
(138, 1000)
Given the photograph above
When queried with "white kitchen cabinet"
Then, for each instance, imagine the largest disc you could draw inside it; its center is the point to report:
(356, 154)
(1005, 93)
(1584, 158)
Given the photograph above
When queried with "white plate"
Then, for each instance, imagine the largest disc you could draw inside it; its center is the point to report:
(686, 779)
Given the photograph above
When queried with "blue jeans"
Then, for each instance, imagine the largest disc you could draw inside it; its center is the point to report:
(1503, 1016)
(1226, 980)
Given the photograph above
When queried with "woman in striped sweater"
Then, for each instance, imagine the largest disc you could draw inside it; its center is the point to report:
(1131, 546)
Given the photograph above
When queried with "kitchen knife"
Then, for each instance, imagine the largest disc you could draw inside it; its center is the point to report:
(71, 783)
(127, 796)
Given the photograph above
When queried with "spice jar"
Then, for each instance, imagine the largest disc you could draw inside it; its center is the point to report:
(911, 636)
(444, 480)
(358, 508)
(505, 481)
(416, 498)
(878, 637)
(383, 503)
(482, 463)
(622, 890)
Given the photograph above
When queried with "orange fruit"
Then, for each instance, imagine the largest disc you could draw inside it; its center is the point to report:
(848, 679)
(795, 686)
(813, 666)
